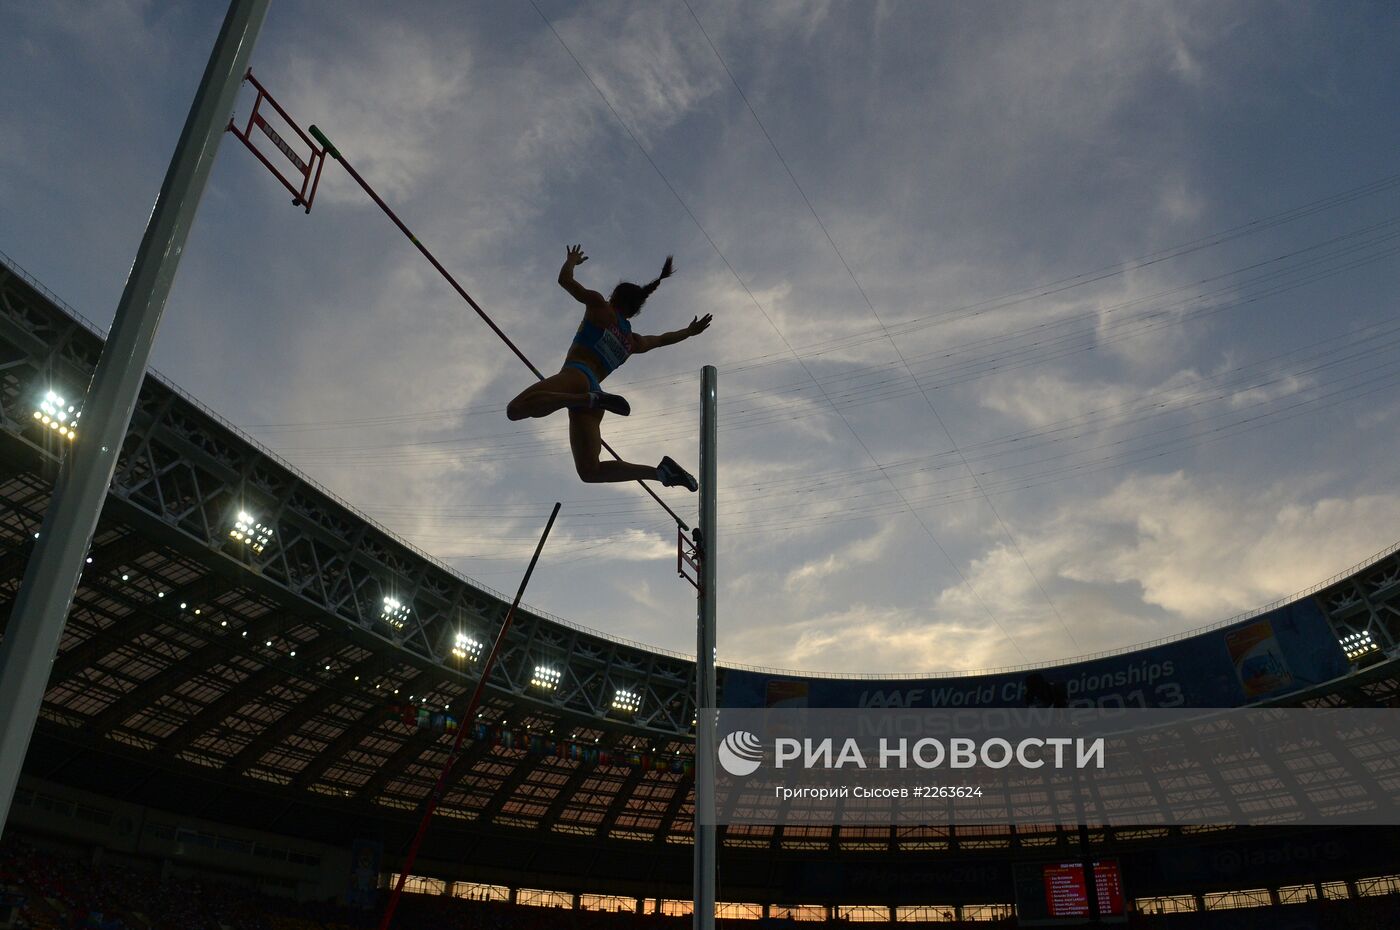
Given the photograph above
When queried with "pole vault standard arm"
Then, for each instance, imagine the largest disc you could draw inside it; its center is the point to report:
(334, 152)
(444, 779)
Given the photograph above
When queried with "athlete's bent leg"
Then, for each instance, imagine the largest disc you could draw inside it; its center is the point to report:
(586, 441)
(567, 389)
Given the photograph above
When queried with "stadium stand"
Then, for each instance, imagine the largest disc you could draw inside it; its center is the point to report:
(230, 714)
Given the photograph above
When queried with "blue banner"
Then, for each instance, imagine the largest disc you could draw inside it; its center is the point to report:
(363, 889)
(1284, 650)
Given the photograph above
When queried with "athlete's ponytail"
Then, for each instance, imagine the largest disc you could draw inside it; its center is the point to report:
(627, 298)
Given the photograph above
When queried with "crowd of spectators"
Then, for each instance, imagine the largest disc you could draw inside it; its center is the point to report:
(62, 891)
(69, 892)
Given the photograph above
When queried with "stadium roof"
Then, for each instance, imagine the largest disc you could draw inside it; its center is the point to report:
(195, 660)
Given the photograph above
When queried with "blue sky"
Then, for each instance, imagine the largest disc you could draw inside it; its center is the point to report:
(1042, 328)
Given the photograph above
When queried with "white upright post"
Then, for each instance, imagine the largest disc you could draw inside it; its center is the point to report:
(705, 698)
(52, 574)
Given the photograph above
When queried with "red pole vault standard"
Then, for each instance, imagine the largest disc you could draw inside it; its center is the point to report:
(309, 168)
(467, 717)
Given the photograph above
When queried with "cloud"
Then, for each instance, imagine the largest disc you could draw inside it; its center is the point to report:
(967, 162)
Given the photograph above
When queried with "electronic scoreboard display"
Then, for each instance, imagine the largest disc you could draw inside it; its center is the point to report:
(1055, 894)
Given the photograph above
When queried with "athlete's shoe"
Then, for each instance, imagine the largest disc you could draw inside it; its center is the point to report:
(672, 475)
(612, 403)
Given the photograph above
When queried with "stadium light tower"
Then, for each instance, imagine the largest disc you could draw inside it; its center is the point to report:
(395, 613)
(58, 415)
(465, 648)
(251, 532)
(51, 576)
(626, 701)
(546, 678)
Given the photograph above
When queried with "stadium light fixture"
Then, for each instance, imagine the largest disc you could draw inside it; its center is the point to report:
(545, 678)
(251, 532)
(465, 648)
(1356, 645)
(58, 415)
(394, 613)
(627, 702)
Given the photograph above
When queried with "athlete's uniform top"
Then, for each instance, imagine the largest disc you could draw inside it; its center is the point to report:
(610, 344)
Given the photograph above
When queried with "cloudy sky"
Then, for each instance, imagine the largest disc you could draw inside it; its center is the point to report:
(1042, 329)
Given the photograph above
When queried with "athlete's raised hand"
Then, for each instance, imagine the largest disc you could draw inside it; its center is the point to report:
(699, 324)
(575, 255)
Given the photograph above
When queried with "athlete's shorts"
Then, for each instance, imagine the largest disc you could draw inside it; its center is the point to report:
(593, 384)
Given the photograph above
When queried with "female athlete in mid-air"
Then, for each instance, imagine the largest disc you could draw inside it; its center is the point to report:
(604, 341)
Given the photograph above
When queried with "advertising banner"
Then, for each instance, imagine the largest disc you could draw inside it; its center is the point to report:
(1287, 649)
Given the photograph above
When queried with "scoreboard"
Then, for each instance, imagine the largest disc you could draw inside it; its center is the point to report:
(1052, 894)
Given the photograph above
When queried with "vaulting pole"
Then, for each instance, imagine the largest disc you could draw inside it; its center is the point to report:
(445, 778)
(705, 695)
(52, 574)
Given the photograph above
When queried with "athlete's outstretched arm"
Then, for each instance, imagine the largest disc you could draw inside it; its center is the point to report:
(646, 343)
(583, 295)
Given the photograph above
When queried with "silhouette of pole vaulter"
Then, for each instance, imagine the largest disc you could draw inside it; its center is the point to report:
(603, 342)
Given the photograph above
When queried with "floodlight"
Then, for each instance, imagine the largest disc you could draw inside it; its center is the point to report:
(628, 702)
(545, 677)
(465, 648)
(1356, 645)
(251, 532)
(394, 613)
(58, 415)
